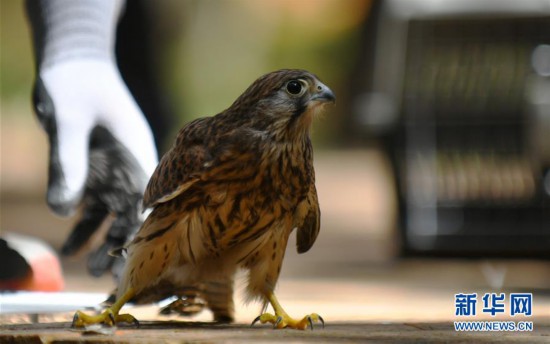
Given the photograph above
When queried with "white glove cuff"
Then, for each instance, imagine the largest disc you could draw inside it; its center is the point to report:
(69, 29)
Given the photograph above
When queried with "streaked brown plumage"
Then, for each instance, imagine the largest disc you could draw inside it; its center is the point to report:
(227, 195)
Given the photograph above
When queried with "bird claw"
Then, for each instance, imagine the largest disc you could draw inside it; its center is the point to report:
(283, 321)
(313, 317)
(75, 320)
(321, 320)
(107, 318)
(310, 322)
(112, 317)
(279, 320)
(255, 320)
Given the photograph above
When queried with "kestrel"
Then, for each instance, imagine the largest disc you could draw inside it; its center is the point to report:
(227, 195)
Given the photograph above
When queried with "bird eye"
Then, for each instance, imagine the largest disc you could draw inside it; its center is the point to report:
(294, 87)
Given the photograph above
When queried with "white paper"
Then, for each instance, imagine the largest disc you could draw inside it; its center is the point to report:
(45, 302)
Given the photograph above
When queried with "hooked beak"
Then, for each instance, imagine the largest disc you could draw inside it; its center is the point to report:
(323, 94)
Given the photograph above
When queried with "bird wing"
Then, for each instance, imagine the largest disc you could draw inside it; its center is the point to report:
(181, 166)
(309, 221)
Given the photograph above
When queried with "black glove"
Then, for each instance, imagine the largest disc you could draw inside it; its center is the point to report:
(101, 148)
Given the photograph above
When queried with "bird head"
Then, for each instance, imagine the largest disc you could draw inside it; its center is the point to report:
(283, 102)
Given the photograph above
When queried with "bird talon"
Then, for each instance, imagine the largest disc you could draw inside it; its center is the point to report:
(112, 318)
(321, 320)
(278, 321)
(255, 320)
(75, 320)
(281, 321)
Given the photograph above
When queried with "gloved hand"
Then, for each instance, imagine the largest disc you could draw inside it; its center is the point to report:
(102, 151)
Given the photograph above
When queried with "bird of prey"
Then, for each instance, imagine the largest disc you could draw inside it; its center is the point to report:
(227, 195)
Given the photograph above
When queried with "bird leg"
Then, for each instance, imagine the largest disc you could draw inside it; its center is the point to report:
(109, 317)
(281, 319)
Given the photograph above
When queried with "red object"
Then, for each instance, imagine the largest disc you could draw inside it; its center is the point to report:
(29, 264)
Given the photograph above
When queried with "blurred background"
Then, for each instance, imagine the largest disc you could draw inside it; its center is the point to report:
(433, 169)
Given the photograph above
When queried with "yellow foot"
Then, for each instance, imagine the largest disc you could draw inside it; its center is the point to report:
(283, 321)
(108, 318)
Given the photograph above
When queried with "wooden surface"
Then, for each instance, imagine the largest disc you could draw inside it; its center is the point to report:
(171, 332)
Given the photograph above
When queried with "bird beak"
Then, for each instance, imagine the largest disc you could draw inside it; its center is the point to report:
(323, 94)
